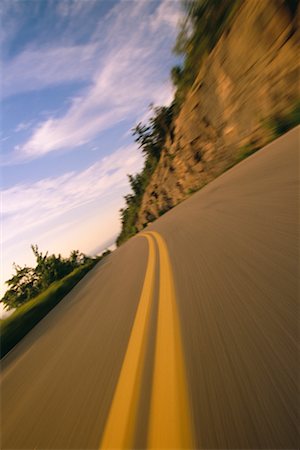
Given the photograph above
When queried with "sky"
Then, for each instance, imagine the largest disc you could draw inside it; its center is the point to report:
(77, 75)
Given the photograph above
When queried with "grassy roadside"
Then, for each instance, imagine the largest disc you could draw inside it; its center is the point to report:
(16, 326)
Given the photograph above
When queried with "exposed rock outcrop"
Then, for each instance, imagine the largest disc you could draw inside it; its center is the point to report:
(251, 75)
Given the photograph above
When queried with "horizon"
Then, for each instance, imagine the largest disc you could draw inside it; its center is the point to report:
(78, 76)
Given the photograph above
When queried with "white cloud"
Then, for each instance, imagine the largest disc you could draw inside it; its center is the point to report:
(122, 66)
(11, 20)
(72, 8)
(126, 80)
(34, 205)
(38, 68)
(166, 15)
(76, 128)
(75, 210)
(22, 126)
(88, 232)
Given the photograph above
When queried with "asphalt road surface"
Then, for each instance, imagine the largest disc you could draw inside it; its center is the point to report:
(185, 337)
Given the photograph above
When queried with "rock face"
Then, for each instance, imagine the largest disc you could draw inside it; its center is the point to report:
(251, 75)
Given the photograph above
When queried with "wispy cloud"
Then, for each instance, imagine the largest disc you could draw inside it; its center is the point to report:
(39, 68)
(125, 79)
(166, 14)
(33, 205)
(73, 8)
(110, 60)
(23, 126)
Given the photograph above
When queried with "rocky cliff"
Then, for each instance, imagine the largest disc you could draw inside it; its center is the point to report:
(249, 79)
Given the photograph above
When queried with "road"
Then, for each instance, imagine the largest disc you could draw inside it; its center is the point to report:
(185, 337)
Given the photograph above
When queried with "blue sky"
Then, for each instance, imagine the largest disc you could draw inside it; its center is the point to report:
(77, 76)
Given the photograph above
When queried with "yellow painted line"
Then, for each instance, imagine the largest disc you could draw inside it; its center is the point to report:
(170, 424)
(120, 426)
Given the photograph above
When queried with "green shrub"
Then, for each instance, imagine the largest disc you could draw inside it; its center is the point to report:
(24, 318)
(194, 189)
(28, 282)
(163, 211)
(281, 123)
(246, 151)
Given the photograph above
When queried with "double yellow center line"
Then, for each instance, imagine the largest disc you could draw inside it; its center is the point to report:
(169, 419)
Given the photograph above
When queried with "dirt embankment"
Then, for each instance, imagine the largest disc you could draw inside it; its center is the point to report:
(250, 78)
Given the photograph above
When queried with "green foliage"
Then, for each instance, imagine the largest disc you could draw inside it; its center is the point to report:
(24, 318)
(28, 282)
(163, 211)
(151, 138)
(278, 125)
(281, 123)
(292, 6)
(105, 253)
(194, 189)
(129, 214)
(205, 21)
(247, 150)
(22, 285)
(176, 75)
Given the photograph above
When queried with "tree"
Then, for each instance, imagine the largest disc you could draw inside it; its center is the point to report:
(51, 268)
(151, 138)
(176, 75)
(27, 282)
(23, 285)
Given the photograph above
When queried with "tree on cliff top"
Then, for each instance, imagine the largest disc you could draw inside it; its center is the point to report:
(151, 138)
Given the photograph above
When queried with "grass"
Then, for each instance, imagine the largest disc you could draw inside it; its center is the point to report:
(21, 321)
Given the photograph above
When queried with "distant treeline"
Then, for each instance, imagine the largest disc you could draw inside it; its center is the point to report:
(202, 26)
(28, 282)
